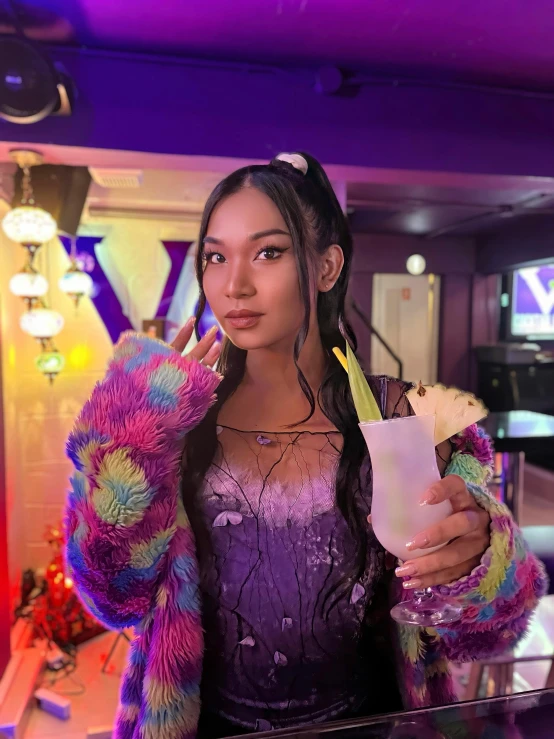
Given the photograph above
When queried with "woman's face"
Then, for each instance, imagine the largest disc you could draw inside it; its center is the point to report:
(251, 279)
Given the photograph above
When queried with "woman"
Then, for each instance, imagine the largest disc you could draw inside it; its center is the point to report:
(268, 488)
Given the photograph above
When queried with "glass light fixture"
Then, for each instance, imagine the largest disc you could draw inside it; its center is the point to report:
(41, 323)
(416, 264)
(76, 283)
(50, 363)
(29, 284)
(27, 224)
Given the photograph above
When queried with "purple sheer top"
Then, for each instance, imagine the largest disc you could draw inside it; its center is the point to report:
(284, 616)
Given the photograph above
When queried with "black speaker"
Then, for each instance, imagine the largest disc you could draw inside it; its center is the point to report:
(60, 190)
(31, 86)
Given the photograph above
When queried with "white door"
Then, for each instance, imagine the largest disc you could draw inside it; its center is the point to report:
(405, 311)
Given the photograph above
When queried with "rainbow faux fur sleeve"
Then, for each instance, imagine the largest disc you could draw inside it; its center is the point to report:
(498, 597)
(124, 510)
(500, 594)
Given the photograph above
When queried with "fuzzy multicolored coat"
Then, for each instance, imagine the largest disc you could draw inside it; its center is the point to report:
(132, 554)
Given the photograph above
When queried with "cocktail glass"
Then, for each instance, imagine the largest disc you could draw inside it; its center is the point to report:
(404, 466)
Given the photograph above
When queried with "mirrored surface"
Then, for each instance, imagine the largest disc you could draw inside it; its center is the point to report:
(529, 716)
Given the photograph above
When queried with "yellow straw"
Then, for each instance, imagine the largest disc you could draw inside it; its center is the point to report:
(342, 359)
(364, 400)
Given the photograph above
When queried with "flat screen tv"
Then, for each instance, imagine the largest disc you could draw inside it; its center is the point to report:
(530, 314)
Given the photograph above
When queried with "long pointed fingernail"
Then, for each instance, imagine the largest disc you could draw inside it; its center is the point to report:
(411, 584)
(419, 542)
(213, 331)
(429, 498)
(405, 571)
(190, 323)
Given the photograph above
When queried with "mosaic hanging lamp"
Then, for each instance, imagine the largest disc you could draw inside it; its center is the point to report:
(29, 285)
(76, 283)
(28, 224)
(42, 323)
(50, 363)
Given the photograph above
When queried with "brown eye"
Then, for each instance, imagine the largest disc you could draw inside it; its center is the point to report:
(214, 258)
(270, 254)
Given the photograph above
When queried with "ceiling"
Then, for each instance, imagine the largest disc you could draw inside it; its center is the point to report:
(505, 42)
(417, 210)
(439, 211)
(492, 42)
(161, 192)
(177, 196)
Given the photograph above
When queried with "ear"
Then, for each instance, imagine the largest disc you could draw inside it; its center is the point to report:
(330, 267)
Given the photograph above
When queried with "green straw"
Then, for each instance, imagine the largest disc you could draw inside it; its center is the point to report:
(364, 400)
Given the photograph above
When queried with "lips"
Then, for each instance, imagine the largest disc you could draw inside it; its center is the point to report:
(243, 318)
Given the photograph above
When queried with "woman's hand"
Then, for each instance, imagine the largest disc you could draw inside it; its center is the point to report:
(206, 351)
(466, 530)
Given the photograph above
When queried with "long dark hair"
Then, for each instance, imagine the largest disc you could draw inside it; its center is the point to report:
(315, 221)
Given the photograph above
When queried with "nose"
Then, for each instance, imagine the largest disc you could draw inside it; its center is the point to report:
(239, 282)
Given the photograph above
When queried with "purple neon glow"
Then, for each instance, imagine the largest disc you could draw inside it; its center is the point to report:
(493, 40)
(207, 321)
(105, 300)
(177, 251)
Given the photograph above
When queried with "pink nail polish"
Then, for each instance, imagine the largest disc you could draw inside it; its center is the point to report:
(405, 571)
(428, 499)
(419, 542)
(411, 584)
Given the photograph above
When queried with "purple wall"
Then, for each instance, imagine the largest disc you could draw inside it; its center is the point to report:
(388, 253)
(454, 361)
(361, 289)
(485, 316)
(468, 309)
(469, 317)
(163, 105)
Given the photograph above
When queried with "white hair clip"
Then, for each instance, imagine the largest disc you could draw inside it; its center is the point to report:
(297, 161)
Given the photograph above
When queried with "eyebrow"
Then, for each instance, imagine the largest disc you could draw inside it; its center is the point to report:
(253, 237)
(269, 232)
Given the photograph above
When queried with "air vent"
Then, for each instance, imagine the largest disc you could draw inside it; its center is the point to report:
(121, 179)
